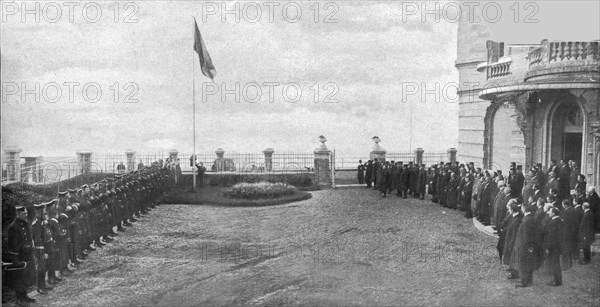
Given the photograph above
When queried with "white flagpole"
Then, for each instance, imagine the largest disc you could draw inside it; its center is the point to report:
(194, 109)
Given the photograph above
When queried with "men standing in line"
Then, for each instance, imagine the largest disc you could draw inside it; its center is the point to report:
(586, 233)
(553, 240)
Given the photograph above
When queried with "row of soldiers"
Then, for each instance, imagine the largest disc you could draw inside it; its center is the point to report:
(388, 176)
(63, 231)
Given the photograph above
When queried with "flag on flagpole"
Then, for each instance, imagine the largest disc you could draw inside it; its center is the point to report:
(208, 69)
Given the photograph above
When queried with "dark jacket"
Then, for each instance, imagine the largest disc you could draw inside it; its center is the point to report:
(571, 230)
(586, 229)
(510, 236)
(526, 250)
(553, 243)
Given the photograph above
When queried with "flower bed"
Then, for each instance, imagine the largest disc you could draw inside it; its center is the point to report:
(259, 190)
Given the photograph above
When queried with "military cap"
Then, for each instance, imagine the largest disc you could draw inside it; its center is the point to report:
(40, 206)
(62, 194)
(20, 208)
(63, 217)
(71, 191)
(85, 186)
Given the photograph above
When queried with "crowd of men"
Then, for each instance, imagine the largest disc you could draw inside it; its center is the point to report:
(543, 218)
(45, 242)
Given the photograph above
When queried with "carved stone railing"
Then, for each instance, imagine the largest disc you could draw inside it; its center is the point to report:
(552, 52)
(498, 70)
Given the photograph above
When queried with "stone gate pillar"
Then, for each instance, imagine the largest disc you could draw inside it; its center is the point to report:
(130, 160)
(220, 162)
(452, 155)
(32, 169)
(268, 159)
(419, 156)
(85, 162)
(13, 164)
(323, 164)
(377, 151)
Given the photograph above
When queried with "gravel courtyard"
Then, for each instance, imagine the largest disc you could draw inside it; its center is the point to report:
(341, 247)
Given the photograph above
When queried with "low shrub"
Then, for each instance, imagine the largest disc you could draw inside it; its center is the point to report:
(227, 180)
(259, 190)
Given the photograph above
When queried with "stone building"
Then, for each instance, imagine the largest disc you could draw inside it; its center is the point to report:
(528, 103)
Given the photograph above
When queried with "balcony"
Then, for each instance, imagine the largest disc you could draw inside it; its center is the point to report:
(499, 70)
(562, 61)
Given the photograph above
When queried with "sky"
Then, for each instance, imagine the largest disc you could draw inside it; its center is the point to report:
(346, 70)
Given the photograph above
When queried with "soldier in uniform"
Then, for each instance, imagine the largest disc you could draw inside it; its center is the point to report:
(74, 237)
(82, 219)
(113, 205)
(38, 229)
(20, 250)
(90, 217)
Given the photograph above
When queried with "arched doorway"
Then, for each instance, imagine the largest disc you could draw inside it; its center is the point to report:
(566, 138)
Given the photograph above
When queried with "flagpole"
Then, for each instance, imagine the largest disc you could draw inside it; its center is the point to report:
(194, 110)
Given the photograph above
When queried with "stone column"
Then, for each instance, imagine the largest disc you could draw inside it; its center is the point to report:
(419, 156)
(377, 151)
(322, 164)
(130, 160)
(13, 164)
(268, 159)
(452, 155)
(85, 162)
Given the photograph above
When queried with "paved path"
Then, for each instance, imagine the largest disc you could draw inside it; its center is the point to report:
(342, 247)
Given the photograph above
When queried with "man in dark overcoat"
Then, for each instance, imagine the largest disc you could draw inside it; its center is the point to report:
(586, 233)
(525, 255)
(510, 235)
(553, 242)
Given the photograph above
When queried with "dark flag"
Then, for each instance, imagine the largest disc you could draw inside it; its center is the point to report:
(208, 69)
